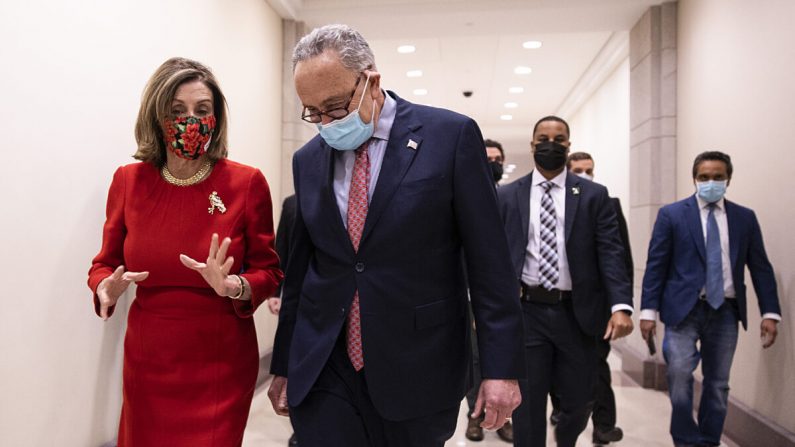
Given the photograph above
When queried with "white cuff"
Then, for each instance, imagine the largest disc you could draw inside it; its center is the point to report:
(771, 316)
(619, 307)
(648, 314)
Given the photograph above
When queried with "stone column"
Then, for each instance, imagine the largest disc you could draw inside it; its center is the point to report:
(652, 58)
(295, 132)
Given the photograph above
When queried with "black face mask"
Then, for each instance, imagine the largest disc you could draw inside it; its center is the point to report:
(550, 155)
(496, 170)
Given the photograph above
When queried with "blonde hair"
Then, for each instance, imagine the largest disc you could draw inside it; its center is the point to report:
(156, 108)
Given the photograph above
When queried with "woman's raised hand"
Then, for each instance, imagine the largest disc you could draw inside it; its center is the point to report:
(216, 270)
(111, 288)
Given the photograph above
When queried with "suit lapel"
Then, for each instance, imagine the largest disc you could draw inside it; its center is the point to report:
(397, 159)
(572, 202)
(331, 210)
(523, 200)
(732, 220)
(694, 223)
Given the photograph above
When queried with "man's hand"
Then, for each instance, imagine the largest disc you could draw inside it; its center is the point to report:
(648, 328)
(769, 332)
(274, 305)
(277, 393)
(620, 325)
(497, 398)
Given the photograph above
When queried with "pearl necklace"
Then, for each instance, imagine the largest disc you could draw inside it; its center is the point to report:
(203, 171)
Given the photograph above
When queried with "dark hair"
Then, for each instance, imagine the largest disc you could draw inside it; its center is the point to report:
(577, 156)
(713, 156)
(492, 143)
(552, 118)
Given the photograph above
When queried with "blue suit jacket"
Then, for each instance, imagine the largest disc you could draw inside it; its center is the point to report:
(430, 204)
(593, 246)
(676, 265)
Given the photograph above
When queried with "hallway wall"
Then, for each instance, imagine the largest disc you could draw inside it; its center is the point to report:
(601, 128)
(736, 68)
(72, 75)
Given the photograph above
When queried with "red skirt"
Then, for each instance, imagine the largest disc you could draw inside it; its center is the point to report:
(190, 368)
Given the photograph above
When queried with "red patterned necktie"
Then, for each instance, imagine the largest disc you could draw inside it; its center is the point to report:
(357, 213)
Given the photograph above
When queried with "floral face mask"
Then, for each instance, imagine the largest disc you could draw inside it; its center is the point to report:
(189, 137)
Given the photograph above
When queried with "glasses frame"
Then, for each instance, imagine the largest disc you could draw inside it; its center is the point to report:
(317, 117)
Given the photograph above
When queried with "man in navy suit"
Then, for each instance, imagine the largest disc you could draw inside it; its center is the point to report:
(372, 346)
(568, 262)
(695, 279)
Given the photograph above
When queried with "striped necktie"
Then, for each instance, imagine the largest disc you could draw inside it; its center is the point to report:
(548, 263)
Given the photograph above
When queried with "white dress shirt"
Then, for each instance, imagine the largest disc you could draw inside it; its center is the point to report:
(344, 160)
(532, 256)
(723, 231)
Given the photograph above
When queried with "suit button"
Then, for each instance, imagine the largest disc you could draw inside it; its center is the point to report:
(359, 267)
(342, 311)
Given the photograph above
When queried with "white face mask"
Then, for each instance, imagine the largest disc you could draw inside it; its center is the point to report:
(348, 133)
(584, 175)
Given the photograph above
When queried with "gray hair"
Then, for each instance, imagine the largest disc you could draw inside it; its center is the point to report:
(354, 52)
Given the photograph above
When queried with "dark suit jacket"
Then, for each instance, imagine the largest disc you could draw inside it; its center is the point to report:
(283, 235)
(676, 265)
(430, 203)
(623, 231)
(593, 246)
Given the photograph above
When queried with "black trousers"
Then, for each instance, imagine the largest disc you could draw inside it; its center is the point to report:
(557, 353)
(338, 412)
(604, 405)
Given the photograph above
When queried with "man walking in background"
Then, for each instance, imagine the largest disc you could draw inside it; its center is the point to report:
(695, 280)
(569, 268)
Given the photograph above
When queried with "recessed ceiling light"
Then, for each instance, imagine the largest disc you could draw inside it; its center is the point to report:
(516, 89)
(532, 44)
(406, 49)
(520, 70)
(511, 105)
(510, 168)
(414, 73)
(506, 117)
(420, 91)
(505, 176)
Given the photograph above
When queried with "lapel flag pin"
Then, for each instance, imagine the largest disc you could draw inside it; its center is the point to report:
(412, 144)
(575, 190)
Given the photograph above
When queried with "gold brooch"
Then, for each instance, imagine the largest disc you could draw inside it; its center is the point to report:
(216, 202)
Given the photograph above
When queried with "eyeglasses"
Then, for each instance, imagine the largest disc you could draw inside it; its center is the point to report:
(335, 114)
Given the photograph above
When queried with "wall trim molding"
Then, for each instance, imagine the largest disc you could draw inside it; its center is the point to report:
(610, 56)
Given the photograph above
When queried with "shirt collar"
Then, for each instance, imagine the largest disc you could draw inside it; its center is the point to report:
(386, 118)
(703, 203)
(559, 180)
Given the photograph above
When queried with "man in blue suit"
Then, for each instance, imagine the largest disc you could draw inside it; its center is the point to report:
(568, 263)
(372, 346)
(695, 279)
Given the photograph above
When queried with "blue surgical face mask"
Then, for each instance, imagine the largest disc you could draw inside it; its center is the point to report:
(711, 191)
(348, 133)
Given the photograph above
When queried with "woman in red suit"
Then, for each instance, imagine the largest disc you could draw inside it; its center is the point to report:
(190, 351)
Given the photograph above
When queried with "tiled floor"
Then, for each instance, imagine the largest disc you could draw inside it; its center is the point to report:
(643, 414)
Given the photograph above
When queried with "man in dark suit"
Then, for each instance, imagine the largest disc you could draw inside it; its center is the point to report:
(282, 244)
(372, 334)
(604, 405)
(695, 279)
(569, 265)
(474, 432)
